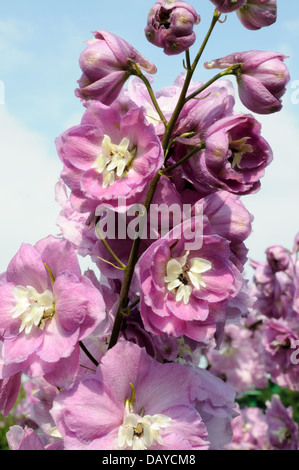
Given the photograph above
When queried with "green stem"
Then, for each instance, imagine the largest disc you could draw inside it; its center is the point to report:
(188, 62)
(129, 271)
(183, 160)
(230, 71)
(109, 249)
(189, 74)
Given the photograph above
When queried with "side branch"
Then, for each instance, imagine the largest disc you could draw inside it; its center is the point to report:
(233, 70)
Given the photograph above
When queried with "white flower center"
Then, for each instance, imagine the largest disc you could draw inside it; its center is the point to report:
(31, 307)
(141, 432)
(236, 150)
(114, 160)
(180, 272)
(282, 434)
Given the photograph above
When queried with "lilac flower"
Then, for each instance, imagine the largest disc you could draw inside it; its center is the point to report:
(26, 439)
(170, 26)
(131, 402)
(239, 358)
(227, 6)
(278, 338)
(75, 227)
(274, 291)
(255, 14)
(9, 390)
(235, 157)
(278, 258)
(282, 430)
(107, 63)
(108, 157)
(227, 215)
(215, 402)
(184, 291)
(262, 78)
(249, 430)
(47, 306)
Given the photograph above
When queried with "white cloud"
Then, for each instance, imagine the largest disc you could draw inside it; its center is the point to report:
(29, 171)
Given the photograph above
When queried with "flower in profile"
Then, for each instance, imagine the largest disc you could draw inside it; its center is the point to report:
(170, 26)
(234, 159)
(279, 338)
(9, 391)
(107, 63)
(132, 402)
(47, 307)
(282, 429)
(255, 14)
(274, 291)
(261, 76)
(278, 258)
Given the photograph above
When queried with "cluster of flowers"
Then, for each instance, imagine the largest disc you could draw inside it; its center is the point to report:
(265, 343)
(113, 362)
(273, 429)
(262, 347)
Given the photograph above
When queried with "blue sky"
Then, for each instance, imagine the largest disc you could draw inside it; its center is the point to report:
(40, 43)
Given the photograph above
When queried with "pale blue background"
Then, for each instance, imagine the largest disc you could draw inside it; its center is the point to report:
(40, 43)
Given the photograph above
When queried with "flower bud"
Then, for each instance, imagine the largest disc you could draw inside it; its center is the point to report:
(170, 26)
(262, 78)
(226, 6)
(255, 14)
(278, 258)
(106, 64)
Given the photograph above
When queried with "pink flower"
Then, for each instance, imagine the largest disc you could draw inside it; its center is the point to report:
(107, 63)
(131, 402)
(184, 291)
(109, 157)
(9, 391)
(239, 358)
(76, 227)
(228, 216)
(249, 430)
(170, 26)
(47, 307)
(262, 78)
(215, 402)
(234, 159)
(227, 6)
(278, 258)
(274, 291)
(279, 337)
(26, 439)
(255, 14)
(282, 430)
